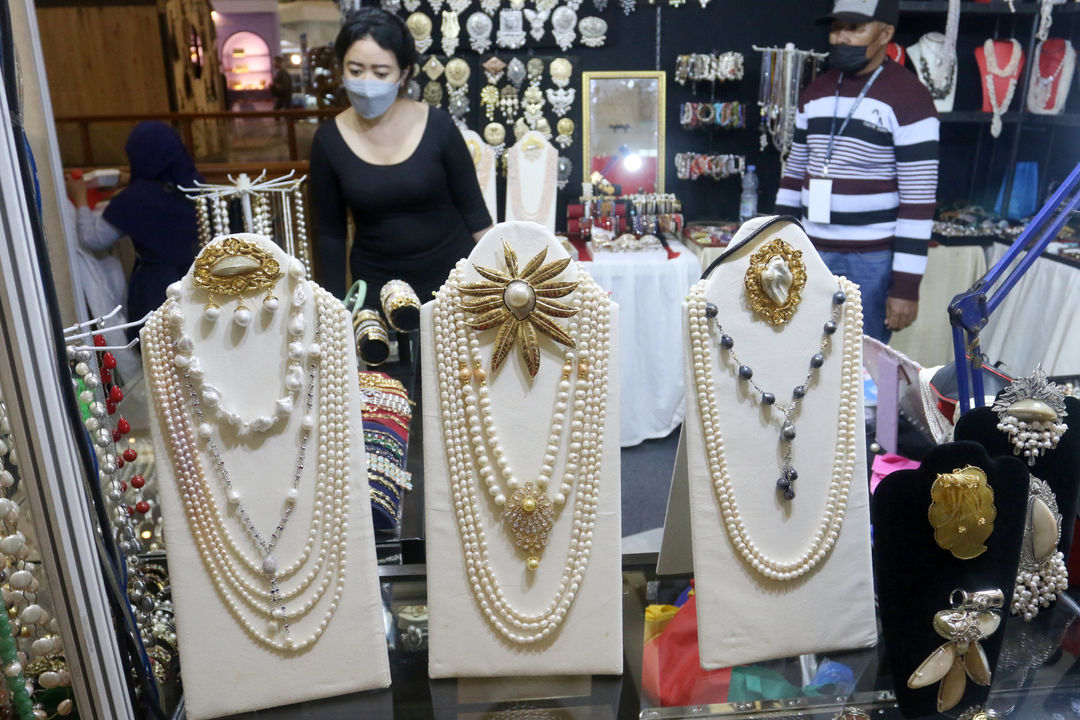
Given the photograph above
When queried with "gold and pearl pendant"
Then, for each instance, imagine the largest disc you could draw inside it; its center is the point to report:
(962, 511)
(520, 303)
(774, 281)
(529, 517)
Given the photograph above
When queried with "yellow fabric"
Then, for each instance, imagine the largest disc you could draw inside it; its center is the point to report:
(657, 618)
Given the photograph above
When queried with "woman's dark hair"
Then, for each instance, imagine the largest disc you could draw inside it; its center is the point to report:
(385, 28)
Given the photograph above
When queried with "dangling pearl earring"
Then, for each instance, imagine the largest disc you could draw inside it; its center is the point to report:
(270, 303)
(242, 315)
(211, 312)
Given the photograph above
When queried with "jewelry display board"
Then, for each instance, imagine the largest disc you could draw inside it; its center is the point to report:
(827, 603)
(237, 651)
(531, 174)
(466, 639)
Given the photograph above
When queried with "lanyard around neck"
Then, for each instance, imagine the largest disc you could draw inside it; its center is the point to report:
(836, 107)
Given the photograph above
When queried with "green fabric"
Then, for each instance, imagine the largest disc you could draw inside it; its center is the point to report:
(750, 683)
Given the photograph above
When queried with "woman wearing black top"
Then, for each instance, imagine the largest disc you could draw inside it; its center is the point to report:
(401, 167)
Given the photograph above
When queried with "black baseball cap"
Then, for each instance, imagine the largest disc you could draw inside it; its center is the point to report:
(860, 11)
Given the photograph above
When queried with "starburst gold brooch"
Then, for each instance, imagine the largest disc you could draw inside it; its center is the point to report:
(520, 303)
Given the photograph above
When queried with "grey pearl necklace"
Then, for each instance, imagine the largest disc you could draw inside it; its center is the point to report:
(788, 473)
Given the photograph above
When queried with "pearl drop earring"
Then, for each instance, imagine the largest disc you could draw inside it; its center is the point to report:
(211, 311)
(242, 314)
(271, 303)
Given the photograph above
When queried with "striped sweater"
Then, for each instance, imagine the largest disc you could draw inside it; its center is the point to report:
(884, 169)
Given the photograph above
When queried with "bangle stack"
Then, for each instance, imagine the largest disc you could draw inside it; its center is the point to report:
(730, 115)
(400, 305)
(372, 339)
(386, 414)
(691, 166)
(724, 67)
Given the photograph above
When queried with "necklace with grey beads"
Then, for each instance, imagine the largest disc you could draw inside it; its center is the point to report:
(788, 473)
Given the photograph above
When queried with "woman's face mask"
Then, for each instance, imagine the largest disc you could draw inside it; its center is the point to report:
(371, 98)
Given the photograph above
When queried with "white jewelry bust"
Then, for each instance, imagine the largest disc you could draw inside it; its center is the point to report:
(462, 639)
(226, 671)
(743, 615)
(935, 74)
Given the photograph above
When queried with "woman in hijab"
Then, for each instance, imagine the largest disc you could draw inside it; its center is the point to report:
(152, 211)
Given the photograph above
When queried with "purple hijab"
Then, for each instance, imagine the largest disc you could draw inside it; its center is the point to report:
(156, 216)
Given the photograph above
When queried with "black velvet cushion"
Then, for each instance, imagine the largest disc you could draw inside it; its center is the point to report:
(1060, 467)
(914, 577)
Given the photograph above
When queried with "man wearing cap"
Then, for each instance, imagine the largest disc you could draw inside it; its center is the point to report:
(863, 168)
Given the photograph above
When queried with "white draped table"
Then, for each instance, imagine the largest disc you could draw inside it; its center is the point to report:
(650, 289)
(1039, 321)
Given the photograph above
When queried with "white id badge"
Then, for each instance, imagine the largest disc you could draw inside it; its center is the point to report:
(818, 211)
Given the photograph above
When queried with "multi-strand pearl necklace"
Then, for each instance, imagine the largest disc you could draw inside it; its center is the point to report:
(843, 471)
(1009, 71)
(230, 568)
(475, 455)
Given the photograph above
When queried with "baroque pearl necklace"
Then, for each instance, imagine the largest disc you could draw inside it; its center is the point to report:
(211, 397)
(843, 470)
(252, 586)
(476, 456)
(1009, 71)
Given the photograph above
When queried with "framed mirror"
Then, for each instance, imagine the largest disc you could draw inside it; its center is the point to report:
(623, 129)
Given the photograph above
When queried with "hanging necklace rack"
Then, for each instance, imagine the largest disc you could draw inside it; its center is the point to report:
(262, 200)
(782, 73)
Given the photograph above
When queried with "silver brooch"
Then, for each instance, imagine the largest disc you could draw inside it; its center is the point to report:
(1042, 576)
(511, 32)
(563, 21)
(479, 27)
(516, 72)
(1030, 411)
(536, 19)
(593, 31)
(561, 99)
(564, 168)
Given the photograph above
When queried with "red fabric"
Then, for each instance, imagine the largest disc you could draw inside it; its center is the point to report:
(671, 673)
(896, 52)
(1051, 56)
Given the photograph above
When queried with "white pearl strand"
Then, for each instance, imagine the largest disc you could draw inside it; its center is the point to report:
(201, 508)
(455, 349)
(843, 462)
(211, 397)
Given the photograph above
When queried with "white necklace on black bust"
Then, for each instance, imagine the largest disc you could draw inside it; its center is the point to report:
(251, 588)
(1009, 71)
(478, 464)
(821, 543)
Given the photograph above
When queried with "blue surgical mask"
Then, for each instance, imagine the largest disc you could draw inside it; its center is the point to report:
(371, 98)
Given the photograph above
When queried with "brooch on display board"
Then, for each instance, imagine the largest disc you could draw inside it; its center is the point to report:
(565, 127)
(451, 29)
(479, 27)
(1030, 411)
(775, 280)
(236, 267)
(962, 511)
(593, 31)
(516, 72)
(520, 303)
(419, 25)
(1042, 574)
(563, 21)
(972, 618)
(495, 136)
(457, 78)
(511, 33)
(493, 69)
(536, 19)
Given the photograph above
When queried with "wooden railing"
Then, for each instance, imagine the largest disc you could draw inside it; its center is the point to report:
(184, 121)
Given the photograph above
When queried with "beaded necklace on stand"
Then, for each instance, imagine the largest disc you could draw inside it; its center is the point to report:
(701, 315)
(992, 71)
(228, 565)
(477, 461)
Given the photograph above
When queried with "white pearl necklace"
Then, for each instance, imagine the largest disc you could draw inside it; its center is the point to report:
(843, 471)
(1009, 71)
(230, 568)
(210, 396)
(469, 433)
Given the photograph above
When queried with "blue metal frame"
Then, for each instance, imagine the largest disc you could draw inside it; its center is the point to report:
(970, 310)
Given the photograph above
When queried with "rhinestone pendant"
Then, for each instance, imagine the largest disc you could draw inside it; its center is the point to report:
(270, 566)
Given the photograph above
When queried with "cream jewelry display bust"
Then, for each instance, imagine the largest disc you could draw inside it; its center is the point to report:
(263, 593)
(935, 66)
(520, 300)
(704, 335)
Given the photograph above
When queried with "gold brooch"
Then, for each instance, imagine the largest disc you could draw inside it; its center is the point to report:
(235, 267)
(530, 516)
(519, 302)
(775, 280)
(962, 511)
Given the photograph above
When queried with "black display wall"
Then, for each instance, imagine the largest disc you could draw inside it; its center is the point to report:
(973, 164)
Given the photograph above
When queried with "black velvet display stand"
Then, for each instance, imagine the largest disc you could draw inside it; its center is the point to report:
(915, 577)
(1059, 468)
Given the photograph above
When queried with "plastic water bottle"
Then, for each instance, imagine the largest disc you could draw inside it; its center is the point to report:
(748, 200)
